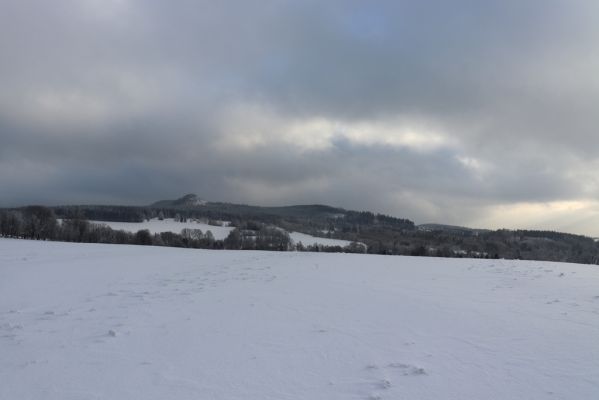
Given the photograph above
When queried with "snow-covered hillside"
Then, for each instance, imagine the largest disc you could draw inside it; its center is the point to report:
(168, 225)
(309, 240)
(219, 232)
(88, 321)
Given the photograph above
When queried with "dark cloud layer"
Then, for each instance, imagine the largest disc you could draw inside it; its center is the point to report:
(461, 112)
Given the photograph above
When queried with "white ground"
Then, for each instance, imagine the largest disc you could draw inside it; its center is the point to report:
(219, 232)
(168, 225)
(309, 240)
(85, 321)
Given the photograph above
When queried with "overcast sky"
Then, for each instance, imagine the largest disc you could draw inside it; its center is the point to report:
(477, 113)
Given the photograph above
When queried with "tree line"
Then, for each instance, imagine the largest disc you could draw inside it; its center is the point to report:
(368, 232)
(41, 223)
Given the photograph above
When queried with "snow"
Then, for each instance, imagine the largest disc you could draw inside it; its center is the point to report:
(168, 225)
(309, 240)
(219, 232)
(90, 321)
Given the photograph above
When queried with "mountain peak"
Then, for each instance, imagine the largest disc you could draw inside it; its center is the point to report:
(190, 200)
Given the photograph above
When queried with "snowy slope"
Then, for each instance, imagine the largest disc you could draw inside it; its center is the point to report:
(86, 321)
(219, 232)
(168, 225)
(309, 240)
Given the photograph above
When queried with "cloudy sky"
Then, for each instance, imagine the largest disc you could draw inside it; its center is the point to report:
(477, 113)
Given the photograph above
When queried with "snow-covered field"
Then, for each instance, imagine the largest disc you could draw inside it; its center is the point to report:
(309, 240)
(219, 232)
(86, 321)
(168, 225)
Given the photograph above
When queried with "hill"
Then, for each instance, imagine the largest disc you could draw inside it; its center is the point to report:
(450, 228)
(192, 202)
(267, 228)
(187, 201)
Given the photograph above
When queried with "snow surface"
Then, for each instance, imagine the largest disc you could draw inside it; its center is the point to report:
(219, 232)
(309, 240)
(89, 321)
(168, 225)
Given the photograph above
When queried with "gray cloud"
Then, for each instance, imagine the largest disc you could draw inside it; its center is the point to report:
(451, 112)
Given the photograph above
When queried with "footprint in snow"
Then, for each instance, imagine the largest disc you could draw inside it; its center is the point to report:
(47, 315)
(9, 327)
(408, 369)
(384, 384)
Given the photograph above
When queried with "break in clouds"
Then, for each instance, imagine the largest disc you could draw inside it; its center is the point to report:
(470, 113)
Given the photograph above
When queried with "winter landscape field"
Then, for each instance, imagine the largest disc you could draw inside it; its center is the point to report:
(168, 225)
(91, 321)
(219, 232)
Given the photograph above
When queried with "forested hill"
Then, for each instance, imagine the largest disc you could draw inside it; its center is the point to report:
(379, 234)
(192, 203)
